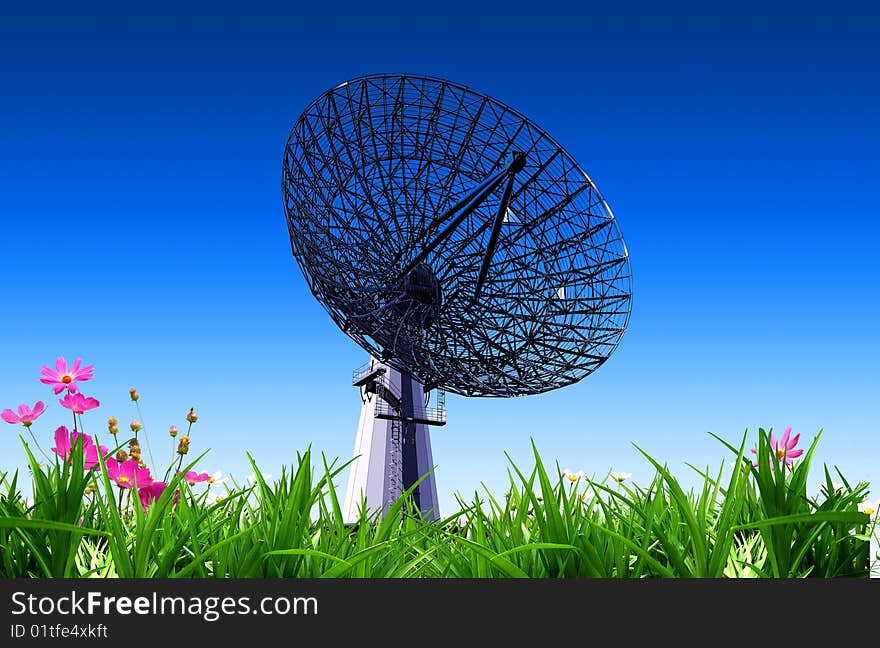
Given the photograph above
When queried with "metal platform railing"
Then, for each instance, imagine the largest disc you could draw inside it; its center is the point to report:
(426, 415)
(367, 372)
(374, 379)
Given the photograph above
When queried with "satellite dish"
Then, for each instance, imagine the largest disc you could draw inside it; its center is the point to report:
(454, 240)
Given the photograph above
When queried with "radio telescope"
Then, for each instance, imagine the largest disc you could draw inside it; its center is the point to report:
(460, 246)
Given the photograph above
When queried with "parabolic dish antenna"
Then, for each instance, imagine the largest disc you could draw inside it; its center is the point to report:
(454, 240)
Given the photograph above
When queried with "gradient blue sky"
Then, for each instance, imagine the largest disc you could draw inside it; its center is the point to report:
(143, 229)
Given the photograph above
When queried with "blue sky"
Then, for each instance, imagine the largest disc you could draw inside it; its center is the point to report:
(143, 229)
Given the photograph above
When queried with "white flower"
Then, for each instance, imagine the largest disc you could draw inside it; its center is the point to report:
(572, 477)
(219, 478)
(620, 476)
(869, 508)
(252, 479)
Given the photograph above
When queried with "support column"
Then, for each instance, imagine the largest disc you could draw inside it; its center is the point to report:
(392, 446)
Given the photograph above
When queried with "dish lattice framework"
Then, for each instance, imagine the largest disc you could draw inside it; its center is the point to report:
(369, 167)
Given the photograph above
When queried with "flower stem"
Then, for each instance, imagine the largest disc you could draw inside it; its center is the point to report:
(180, 461)
(146, 436)
(38, 444)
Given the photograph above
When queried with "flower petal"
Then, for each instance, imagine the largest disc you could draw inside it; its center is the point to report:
(784, 441)
(62, 442)
(86, 373)
(39, 408)
(793, 442)
(9, 416)
(794, 454)
(61, 365)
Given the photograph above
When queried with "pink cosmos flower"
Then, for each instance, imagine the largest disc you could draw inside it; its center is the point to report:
(126, 474)
(25, 415)
(65, 442)
(150, 493)
(784, 448)
(78, 403)
(193, 478)
(63, 378)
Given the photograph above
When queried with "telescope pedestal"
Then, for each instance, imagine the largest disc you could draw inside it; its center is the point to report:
(393, 444)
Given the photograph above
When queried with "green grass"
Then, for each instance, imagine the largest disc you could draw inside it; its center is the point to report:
(752, 522)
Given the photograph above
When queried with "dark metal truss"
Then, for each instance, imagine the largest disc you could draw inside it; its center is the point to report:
(368, 168)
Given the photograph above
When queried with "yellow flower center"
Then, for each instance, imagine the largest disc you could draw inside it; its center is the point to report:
(210, 480)
(780, 453)
(870, 510)
(572, 478)
(67, 379)
(123, 480)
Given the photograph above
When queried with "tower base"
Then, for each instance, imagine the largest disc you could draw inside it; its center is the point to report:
(393, 445)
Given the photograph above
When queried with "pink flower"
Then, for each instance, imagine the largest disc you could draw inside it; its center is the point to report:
(127, 474)
(64, 379)
(151, 492)
(65, 442)
(784, 448)
(25, 415)
(193, 478)
(78, 403)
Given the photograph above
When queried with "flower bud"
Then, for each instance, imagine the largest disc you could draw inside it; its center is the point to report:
(172, 431)
(121, 456)
(191, 417)
(133, 393)
(114, 429)
(136, 426)
(183, 446)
